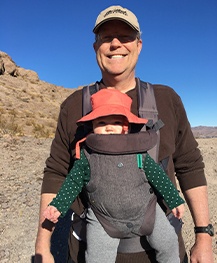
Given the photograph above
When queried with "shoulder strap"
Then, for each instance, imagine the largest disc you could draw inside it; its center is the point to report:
(87, 91)
(147, 103)
(148, 110)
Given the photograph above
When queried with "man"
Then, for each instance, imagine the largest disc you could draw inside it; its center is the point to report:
(118, 45)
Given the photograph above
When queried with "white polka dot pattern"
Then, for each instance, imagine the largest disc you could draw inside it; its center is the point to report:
(79, 176)
(159, 179)
(73, 184)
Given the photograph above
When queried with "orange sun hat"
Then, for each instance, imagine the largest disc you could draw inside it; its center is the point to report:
(107, 102)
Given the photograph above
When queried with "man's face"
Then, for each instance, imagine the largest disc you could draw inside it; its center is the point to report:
(117, 48)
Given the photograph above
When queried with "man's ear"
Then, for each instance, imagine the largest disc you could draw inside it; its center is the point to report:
(139, 44)
(95, 46)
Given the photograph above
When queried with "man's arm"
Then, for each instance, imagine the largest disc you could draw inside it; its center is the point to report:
(57, 167)
(197, 200)
(189, 168)
(45, 230)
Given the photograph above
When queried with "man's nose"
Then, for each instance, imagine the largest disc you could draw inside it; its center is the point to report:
(115, 41)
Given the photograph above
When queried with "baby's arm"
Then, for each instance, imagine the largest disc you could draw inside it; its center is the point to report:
(72, 186)
(51, 213)
(161, 182)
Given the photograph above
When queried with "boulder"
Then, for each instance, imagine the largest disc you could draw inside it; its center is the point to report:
(26, 74)
(7, 65)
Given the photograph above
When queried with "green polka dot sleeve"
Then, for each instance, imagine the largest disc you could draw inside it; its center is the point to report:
(159, 179)
(73, 184)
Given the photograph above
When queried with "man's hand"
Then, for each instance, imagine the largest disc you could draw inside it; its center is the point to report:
(202, 252)
(197, 200)
(45, 229)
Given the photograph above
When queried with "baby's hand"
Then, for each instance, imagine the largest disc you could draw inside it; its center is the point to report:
(52, 214)
(179, 211)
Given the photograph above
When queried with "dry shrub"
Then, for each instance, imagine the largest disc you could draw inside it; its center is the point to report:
(40, 131)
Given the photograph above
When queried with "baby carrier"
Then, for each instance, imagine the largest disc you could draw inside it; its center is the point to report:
(148, 110)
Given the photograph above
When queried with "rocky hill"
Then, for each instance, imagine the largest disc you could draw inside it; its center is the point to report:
(29, 106)
(204, 132)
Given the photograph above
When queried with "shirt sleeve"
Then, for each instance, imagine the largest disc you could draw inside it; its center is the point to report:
(78, 177)
(161, 182)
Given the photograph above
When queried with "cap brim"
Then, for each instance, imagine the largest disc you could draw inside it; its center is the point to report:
(96, 28)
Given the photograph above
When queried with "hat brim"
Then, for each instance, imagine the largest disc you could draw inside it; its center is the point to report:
(96, 28)
(104, 111)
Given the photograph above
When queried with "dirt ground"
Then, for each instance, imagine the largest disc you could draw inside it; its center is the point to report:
(22, 162)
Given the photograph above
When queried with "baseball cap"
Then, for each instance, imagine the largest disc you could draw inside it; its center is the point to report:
(117, 13)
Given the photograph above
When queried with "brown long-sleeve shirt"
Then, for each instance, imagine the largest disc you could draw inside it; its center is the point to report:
(176, 141)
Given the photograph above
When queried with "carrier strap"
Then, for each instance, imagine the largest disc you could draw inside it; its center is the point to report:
(87, 92)
(148, 110)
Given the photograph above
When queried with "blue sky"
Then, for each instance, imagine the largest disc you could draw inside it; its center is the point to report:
(54, 38)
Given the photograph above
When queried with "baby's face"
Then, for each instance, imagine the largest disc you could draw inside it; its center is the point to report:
(113, 124)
